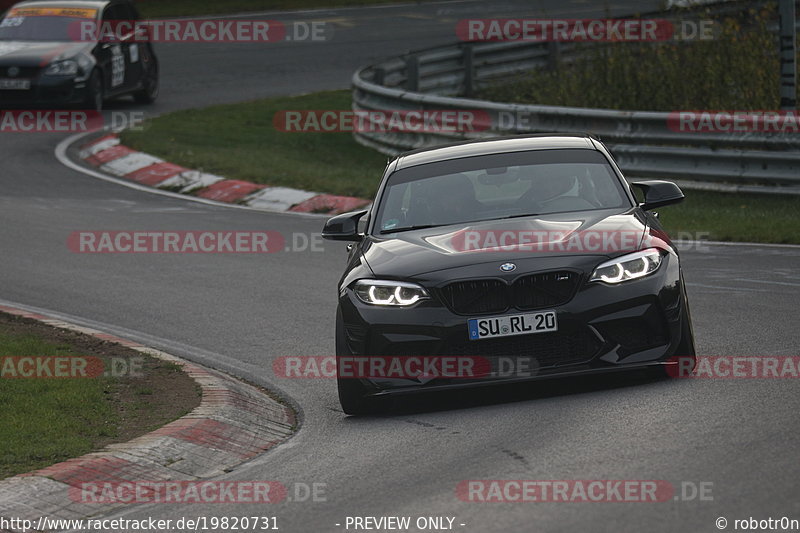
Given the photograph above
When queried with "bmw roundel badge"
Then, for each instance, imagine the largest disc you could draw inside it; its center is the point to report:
(508, 267)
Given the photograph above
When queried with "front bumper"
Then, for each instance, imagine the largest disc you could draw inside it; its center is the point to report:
(47, 92)
(601, 328)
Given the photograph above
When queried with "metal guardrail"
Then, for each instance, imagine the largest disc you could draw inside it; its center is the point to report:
(642, 141)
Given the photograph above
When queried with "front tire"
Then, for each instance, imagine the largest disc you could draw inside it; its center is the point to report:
(352, 392)
(685, 350)
(150, 88)
(352, 398)
(94, 93)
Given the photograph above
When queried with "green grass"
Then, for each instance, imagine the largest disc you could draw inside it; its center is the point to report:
(239, 141)
(735, 217)
(43, 421)
(176, 8)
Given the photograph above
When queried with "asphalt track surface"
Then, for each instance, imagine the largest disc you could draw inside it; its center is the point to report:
(239, 312)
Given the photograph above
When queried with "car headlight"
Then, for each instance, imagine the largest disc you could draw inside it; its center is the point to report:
(632, 266)
(395, 293)
(62, 68)
(85, 62)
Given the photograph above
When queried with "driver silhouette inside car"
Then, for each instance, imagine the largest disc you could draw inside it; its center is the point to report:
(452, 200)
(552, 191)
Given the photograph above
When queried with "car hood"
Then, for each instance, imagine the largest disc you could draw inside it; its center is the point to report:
(39, 53)
(531, 242)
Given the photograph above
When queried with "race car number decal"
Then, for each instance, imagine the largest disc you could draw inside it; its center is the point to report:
(12, 22)
(117, 66)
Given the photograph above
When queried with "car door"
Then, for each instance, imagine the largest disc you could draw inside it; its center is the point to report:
(132, 47)
(113, 53)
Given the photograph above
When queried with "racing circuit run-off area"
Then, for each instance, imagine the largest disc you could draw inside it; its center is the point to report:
(370, 265)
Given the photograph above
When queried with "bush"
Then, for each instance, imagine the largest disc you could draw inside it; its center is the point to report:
(738, 69)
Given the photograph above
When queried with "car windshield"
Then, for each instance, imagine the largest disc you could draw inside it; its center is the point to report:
(44, 24)
(498, 186)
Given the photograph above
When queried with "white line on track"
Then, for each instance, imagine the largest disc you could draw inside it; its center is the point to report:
(720, 287)
(768, 281)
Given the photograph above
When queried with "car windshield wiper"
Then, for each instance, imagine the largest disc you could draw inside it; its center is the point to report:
(410, 228)
(426, 226)
(519, 216)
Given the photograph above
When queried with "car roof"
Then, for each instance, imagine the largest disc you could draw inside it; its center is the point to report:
(93, 4)
(497, 145)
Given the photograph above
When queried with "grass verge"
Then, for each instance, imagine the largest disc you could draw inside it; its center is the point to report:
(721, 216)
(47, 420)
(185, 8)
(239, 142)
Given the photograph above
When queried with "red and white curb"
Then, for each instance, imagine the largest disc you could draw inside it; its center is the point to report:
(109, 156)
(233, 423)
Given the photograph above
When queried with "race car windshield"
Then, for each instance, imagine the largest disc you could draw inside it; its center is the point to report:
(19, 27)
(499, 186)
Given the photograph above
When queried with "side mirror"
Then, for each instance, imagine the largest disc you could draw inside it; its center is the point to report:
(343, 227)
(658, 193)
(142, 34)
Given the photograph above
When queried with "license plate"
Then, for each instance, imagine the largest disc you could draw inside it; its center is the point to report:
(506, 326)
(18, 85)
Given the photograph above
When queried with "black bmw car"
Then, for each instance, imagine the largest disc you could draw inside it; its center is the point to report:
(47, 60)
(531, 254)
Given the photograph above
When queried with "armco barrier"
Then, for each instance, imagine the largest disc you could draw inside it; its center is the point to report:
(646, 143)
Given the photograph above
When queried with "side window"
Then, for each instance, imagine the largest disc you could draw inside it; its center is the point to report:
(131, 14)
(128, 12)
(113, 14)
